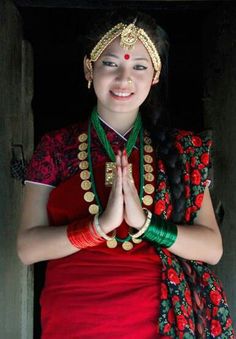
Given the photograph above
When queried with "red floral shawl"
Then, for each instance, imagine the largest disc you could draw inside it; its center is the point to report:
(193, 303)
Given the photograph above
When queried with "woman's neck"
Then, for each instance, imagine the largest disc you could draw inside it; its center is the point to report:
(120, 122)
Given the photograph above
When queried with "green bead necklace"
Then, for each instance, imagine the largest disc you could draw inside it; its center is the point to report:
(137, 130)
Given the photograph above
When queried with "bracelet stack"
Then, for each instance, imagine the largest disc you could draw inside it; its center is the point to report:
(83, 237)
(155, 229)
(161, 232)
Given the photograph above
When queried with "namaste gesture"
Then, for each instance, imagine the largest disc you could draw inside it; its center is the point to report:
(123, 202)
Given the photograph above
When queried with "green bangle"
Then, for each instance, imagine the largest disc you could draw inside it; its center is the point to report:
(161, 232)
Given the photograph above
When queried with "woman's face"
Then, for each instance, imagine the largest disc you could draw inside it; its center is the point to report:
(122, 79)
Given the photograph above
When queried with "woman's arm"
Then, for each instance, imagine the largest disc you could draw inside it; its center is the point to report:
(201, 241)
(37, 240)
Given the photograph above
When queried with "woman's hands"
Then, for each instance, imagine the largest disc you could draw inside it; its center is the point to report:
(113, 215)
(133, 212)
(123, 202)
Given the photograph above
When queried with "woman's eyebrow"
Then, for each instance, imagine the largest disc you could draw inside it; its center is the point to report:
(111, 55)
(141, 58)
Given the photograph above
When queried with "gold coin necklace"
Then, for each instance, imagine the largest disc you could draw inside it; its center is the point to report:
(88, 182)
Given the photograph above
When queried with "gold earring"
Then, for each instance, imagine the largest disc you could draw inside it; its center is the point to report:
(89, 84)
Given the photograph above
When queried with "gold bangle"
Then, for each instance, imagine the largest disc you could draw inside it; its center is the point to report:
(100, 231)
(145, 225)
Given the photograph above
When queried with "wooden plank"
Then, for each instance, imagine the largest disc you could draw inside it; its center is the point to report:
(16, 298)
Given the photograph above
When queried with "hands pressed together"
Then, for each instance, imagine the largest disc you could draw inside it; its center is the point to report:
(124, 202)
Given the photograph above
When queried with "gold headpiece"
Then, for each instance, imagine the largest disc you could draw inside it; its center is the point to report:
(129, 36)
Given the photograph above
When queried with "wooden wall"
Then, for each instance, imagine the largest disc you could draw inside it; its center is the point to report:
(16, 296)
(219, 34)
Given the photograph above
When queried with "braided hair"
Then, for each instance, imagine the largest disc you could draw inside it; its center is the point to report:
(154, 109)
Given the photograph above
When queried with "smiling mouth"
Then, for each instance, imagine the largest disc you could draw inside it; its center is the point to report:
(121, 95)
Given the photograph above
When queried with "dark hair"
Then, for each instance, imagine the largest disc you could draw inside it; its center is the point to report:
(154, 110)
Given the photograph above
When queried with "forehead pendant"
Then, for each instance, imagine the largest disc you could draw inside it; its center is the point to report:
(129, 37)
(129, 34)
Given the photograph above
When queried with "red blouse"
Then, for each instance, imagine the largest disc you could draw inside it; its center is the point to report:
(96, 292)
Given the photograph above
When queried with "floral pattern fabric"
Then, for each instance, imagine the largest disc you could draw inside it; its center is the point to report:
(193, 303)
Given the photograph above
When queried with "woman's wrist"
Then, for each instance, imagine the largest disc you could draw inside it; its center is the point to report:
(85, 236)
(99, 230)
(161, 232)
(104, 224)
(145, 225)
(141, 220)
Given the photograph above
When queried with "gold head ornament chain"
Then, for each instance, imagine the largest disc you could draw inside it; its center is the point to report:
(129, 35)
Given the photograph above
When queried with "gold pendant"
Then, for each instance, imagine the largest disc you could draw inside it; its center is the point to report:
(109, 173)
(148, 159)
(112, 243)
(136, 240)
(82, 155)
(89, 196)
(83, 165)
(127, 245)
(148, 148)
(149, 176)
(83, 146)
(147, 140)
(83, 137)
(93, 209)
(148, 168)
(147, 200)
(85, 175)
(86, 185)
(149, 188)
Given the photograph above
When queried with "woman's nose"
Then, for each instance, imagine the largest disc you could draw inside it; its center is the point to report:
(124, 75)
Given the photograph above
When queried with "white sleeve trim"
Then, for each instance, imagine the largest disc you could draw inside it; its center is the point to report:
(38, 183)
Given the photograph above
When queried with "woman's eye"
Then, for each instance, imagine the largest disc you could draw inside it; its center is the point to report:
(109, 63)
(140, 67)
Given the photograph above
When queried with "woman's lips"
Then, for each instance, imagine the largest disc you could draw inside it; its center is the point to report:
(121, 95)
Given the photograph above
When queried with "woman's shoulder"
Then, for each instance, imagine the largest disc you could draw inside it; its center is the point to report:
(64, 136)
(53, 154)
(191, 143)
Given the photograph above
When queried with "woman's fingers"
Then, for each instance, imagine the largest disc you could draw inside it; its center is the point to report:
(117, 179)
(133, 213)
(113, 215)
(127, 178)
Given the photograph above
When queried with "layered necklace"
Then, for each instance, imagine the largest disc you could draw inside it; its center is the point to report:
(88, 184)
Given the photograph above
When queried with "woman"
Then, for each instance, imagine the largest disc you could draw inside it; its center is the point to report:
(123, 260)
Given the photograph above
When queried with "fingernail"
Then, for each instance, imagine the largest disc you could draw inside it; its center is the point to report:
(124, 152)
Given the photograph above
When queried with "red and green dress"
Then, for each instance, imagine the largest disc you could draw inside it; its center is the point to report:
(143, 293)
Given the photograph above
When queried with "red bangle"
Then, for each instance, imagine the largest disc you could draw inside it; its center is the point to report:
(83, 237)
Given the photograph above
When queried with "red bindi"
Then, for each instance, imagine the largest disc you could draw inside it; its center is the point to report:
(126, 56)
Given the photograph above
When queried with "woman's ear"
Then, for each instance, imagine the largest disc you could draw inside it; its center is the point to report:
(155, 81)
(88, 71)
